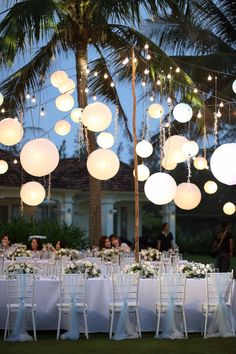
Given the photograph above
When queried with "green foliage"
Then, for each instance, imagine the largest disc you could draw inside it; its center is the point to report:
(199, 243)
(19, 230)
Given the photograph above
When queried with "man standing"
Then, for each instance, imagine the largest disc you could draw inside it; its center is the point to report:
(224, 246)
(165, 239)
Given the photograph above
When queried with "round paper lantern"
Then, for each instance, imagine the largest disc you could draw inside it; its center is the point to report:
(173, 148)
(105, 140)
(190, 148)
(11, 131)
(68, 87)
(39, 157)
(188, 196)
(143, 173)
(1, 99)
(144, 149)
(210, 187)
(62, 127)
(168, 163)
(96, 116)
(200, 163)
(103, 164)
(76, 114)
(58, 78)
(32, 193)
(160, 188)
(65, 103)
(3, 167)
(234, 86)
(229, 208)
(182, 112)
(155, 110)
(223, 164)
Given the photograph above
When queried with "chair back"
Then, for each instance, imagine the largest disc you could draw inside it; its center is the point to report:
(125, 287)
(20, 288)
(72, 288)
(172, 287)
(219, 286)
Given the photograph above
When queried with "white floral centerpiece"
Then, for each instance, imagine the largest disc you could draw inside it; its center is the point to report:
(20, 268)
(110, 254)
(150, 254)
(63, 252)
(19, 251)
(74, 254)
(145, 269)
(83, 267)
(195, 270)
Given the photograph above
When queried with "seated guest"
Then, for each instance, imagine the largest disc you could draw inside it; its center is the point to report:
(104, 242)
(36, 244)
(116, 243)
(5, 242)
(165, 239)
(60, 244)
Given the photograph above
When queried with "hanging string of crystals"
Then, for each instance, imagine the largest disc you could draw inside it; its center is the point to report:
(116, 123)
(49, 186)
(189, 169)
(204, 134)
(216, 116)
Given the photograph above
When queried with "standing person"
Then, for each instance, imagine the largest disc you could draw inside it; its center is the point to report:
(223, 244)
(165, 239)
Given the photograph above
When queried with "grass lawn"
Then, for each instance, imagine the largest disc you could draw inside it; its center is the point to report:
(99, 343)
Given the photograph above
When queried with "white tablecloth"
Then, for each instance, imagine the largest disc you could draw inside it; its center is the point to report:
(99, 293)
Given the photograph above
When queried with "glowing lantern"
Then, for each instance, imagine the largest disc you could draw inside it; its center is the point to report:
(182, 112)
(62, 127)
(223, 164)
(144, 149)
(229, 208)
(76, 114)
(190, 148)
(11, 131)
(210, 187)
(173, 148)
(234, 86)
(160, 188)
(143, 172)
(188, 196)
(32, 193)
(39, 157)
(155, 110)
(96, 116)
(65, 103)
(1, 99)
(103, 164)
(200, 163)
(68, 87)
(58, 78)
(105, 140)
(3, 167)
(168, 163)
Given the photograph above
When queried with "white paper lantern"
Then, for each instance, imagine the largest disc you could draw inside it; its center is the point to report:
(155, 110)
(173, 148)
(96, 116)
(1, 99)
(223, 164)
(62, 127)
(39, 157)
(200, 163)
(105, 140)
(32, 193)
(168, 163)
(190, 148)
(229, 208)
(58, 78)
(76, 114)
(3, 167)
(160, 188)
(188, 196)
(103, 164)
(11, 131)
(144, 149)
(234, 86)
(68, 87)
(143, 173)
(210, 187)
(182, 112)
(65, 103)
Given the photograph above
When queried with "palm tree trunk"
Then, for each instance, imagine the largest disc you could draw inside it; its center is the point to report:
(81, 54)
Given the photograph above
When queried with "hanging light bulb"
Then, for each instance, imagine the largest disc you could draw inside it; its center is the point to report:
(135, 60)
(146, 46)
(112, 84)
(87, 70)
(199, 115)
(195, 90)
(209, 78)
(125, 61)
(42, 112)
(33, 100)
(27, 96)
(177, 70)
(218, 114)
(169, 100)
(95, 73)
(94, 97)
(15, 161)
(151, 98)
(148, 57)
(146, 71)
(143, 83)
(158, 82)
(221, 104)
(3, 110)
(168, 76)
(86, 90)
(105, 76)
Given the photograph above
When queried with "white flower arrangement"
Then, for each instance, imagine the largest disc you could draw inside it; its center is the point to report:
(74, 254)
(19, 251)
(110, 254)
(83, 267)
(20, 268)
(63, 252)
(145, 269)
(195, 270)
(150, 254)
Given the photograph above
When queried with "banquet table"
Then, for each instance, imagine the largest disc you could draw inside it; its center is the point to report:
(98, 296)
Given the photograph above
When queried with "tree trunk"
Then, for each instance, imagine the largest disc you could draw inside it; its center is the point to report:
(136, 188)
(94, 184)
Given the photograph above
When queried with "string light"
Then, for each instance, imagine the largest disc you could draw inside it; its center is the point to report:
(143, 83)
(27, 96)
(94, 97)
(219, 115)
(33, 100)
(135, 60)
(151, 98)
(15, 161)
(105, 76)
(199, 115)
(3, 110)
(146, 71)
(177, 70)
(95, 73)
(221, 104)
(146, 46)
(87, 70)
(125, 61)
(159, 82)
(209, 78)
(168, 76)
(148, 56)
(112, 84)
(42, 112)
(195, 90)
(169, 100)
(86, 90)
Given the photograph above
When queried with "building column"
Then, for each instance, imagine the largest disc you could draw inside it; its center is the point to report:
(169, 216)
(107, 217)
(68, 210)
